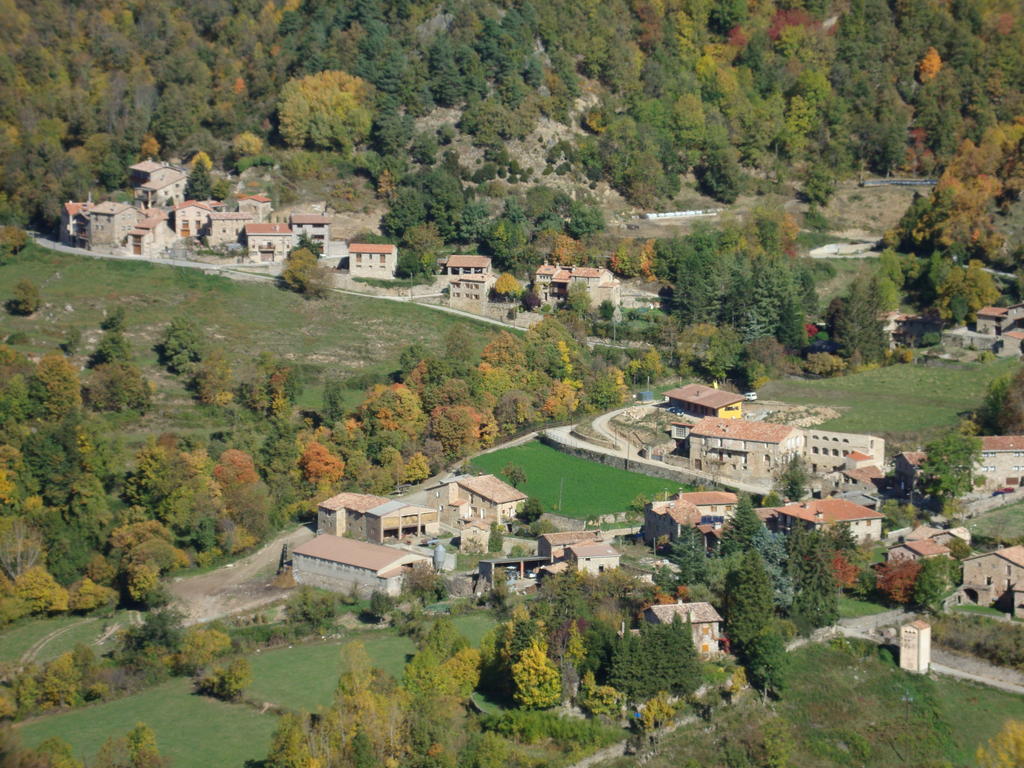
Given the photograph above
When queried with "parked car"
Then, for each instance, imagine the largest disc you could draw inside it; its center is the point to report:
(750, 396)
(676, 410)
(1001, 491)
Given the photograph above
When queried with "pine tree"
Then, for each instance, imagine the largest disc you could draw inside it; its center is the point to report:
(742, 531)
(688, 552)
(766, 663)
(199, 186)
(748, 602)
(815, 603)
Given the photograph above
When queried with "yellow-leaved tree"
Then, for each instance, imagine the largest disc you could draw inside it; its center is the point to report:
(330, 110)
(1005, 749)
(537, 680)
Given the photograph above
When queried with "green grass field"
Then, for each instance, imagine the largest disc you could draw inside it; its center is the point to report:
(587, 489)
(336, 337)
(852, 608)
(18, 639)
(193, 731)
(899, 401)
(1004, 524)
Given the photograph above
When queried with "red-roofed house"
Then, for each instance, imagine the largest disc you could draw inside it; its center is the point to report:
(374, 518)
(921, 549)
(700, 400)
(664, 520)
(552, 283)
(269, 242)
(192, 217)
(466, 264)
(378, 260)
(225, 227)
(1001, 464)
(110, 223)
(865, 524)
(260, 206)
(158, 184)
(738, 448)
(74, 224)
(150, 236)
(483, 497)
(471, 291)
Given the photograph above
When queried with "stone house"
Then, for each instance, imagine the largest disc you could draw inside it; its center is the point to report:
(865, 524)
(474, 537)
(917, 550)
(341, 564)
(462, 264)
(260, 206)
(317, 228)
(1001, 464)
(158, 185)
(484, 497)
(150, 236)
(110, 223)
(268, 242)
(593, 558)
(734, 447)
(552, 545)
(907, 469)
(374, 518)
(826, 451)
(940, 535)
(704, 622)
(664, 520)
(470, 292)
(225, 227)
(74, 224)
(376, 260)
(551, 282)
(700, 400)
(192, 217)
(996, 578)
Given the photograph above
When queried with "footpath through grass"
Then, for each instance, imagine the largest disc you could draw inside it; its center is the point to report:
(587, 489)
(900, 401)
(193, 731)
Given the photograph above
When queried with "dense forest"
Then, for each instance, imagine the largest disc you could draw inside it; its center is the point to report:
(743, 95)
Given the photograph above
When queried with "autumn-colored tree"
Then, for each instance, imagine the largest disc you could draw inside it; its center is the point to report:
(843, 571)
(289, 748)
(304, 274)
(213, 380)
(507, 286)
(199, 647)
(235, 468)
(929, 66)
(55, 388)
(462, 429)
(86, 596)
(319, 465)
(40, 591)
(656, 712)
(26, 298)
(227, 683)
(327, 110)
(896, 579)
(416, 469)
(505, 351)
(1005, 749)
(150, 147)
(538, 684)
(59, 685)
(394, 408)
(246, 144)
(599, 699)
(21, 545)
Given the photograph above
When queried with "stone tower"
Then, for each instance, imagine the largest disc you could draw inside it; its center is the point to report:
(916, 646)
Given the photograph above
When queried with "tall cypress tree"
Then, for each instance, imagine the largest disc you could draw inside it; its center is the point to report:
(748, 602)
(741, 533)
(688, 552)
(815, 602)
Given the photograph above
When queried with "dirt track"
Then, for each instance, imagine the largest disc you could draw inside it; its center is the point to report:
(243, 585)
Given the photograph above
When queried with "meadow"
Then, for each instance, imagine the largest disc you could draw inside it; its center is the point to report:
(1004, 524)
(901, 402)
(571, 486)
(338, 337)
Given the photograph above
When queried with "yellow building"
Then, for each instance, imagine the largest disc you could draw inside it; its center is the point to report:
(700, 400)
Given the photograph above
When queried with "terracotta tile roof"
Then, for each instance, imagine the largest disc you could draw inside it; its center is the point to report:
(701, 394)
(1003, 443)
(923, 532)
(992, 311)
(832, 511)
(596, 549)
(914, 458)
(562, 276)
(464, 260)
(858, 456)
(738, 429)
(257, 198)
(491, 488)
(478, 524)
(171, 178)
(360, 554)
(547, 269)
(73, 209)
(589, 272)
(681, 511)
(707, 528)
(371, 248)
(695, 613)
(1014, 334)
(308, 218)
(563, 538)
(110, 208)
(866, 475)
(146, 166)
(205, 205)
(259, 228)
(927, 548)
(472, 278)
(1013, 555)
(360, 502)
(704, 498)
(554, 568)
(920, 624)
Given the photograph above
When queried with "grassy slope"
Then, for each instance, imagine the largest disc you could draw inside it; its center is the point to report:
(336, 337)
(844, 711)
(898, 401)
(16, 640)
(590, 489)
(191, 730)
(1005, 523)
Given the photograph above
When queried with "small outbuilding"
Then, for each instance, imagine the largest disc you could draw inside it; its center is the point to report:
(339, 564)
